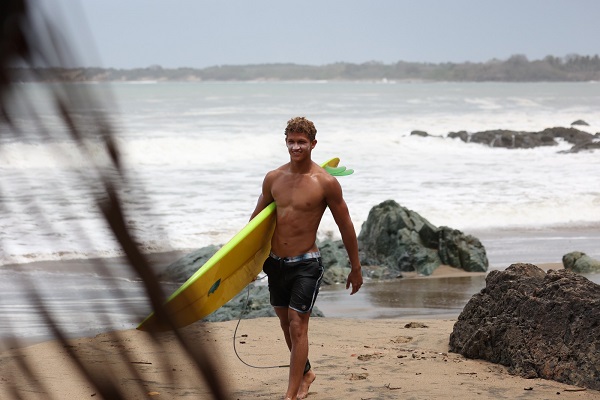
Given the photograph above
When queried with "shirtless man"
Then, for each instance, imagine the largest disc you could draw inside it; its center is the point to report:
(302, 191)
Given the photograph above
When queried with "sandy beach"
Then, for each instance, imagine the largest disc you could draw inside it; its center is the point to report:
(353, 358)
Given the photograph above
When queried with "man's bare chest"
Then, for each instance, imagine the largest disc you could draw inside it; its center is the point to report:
(300, 194)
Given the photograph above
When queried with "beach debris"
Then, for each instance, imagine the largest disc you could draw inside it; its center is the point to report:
(389, 386)
(367, 357)
(153, 393)
(415, 325)
(528, 388)
(358, 377)
(402, 339)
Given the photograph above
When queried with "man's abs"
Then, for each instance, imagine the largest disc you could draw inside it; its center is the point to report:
(295, 234)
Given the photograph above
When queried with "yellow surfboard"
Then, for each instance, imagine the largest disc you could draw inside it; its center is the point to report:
(228, 271)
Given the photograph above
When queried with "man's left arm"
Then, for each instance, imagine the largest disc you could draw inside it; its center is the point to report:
(341, 215)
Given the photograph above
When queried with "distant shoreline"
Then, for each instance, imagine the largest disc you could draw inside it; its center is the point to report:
(517, 68)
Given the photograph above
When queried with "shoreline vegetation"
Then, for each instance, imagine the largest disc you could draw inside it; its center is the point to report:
(517, 68)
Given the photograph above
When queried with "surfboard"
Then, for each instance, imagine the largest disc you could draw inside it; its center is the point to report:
(228, 271)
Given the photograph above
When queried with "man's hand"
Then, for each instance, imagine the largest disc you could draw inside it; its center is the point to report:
(355, 279)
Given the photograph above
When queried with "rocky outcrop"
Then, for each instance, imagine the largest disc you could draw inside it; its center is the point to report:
(523, 140)
(538, 324)
(335, 261)
(399, 238)
(419, 133)
(461, 251)
(589, 145)
(579, 262)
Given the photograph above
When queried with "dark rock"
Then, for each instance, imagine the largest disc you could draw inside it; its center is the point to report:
(579, 262)
(571, 135)
(335, 261)
(419, 133)
(462, 135)
(539, 325)
(589, 145)
(579, 122)
(461, 251)
(524, 140)
(389, 237)
(513, 139)
(399, 238)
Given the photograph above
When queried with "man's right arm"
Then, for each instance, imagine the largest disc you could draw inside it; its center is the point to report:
(265, 197)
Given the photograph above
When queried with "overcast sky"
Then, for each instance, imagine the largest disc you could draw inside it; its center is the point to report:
(201, 33)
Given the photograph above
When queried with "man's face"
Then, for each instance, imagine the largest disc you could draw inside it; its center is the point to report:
(299, 145)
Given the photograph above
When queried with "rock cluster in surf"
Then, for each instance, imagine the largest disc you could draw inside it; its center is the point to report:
(524, 140)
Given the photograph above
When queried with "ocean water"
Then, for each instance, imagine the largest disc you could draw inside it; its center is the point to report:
(196, 153)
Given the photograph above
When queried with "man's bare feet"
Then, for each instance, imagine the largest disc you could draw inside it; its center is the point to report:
(307, 380)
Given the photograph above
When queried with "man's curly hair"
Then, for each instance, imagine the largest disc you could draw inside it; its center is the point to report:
(301, 125)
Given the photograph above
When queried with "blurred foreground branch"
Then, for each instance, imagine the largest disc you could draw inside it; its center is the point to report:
(30, 40)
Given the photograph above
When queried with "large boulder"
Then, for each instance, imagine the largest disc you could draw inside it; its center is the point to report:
(401, 239)
(579, 262)
(538, 324)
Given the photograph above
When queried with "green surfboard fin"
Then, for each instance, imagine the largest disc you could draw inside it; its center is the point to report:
(338, 171)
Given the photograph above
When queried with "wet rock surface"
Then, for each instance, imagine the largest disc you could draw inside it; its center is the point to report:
(538, 324)
(402, 240)
(580, 262)
(524, 140)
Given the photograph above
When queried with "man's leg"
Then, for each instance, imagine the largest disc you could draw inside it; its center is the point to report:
(295, 330)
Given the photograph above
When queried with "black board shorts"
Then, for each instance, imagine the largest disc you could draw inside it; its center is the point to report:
(294, 284)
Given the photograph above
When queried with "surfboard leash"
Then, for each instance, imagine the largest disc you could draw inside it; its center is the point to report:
(235, 334)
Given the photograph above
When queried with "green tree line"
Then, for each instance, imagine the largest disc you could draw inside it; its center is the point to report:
(516, 68)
